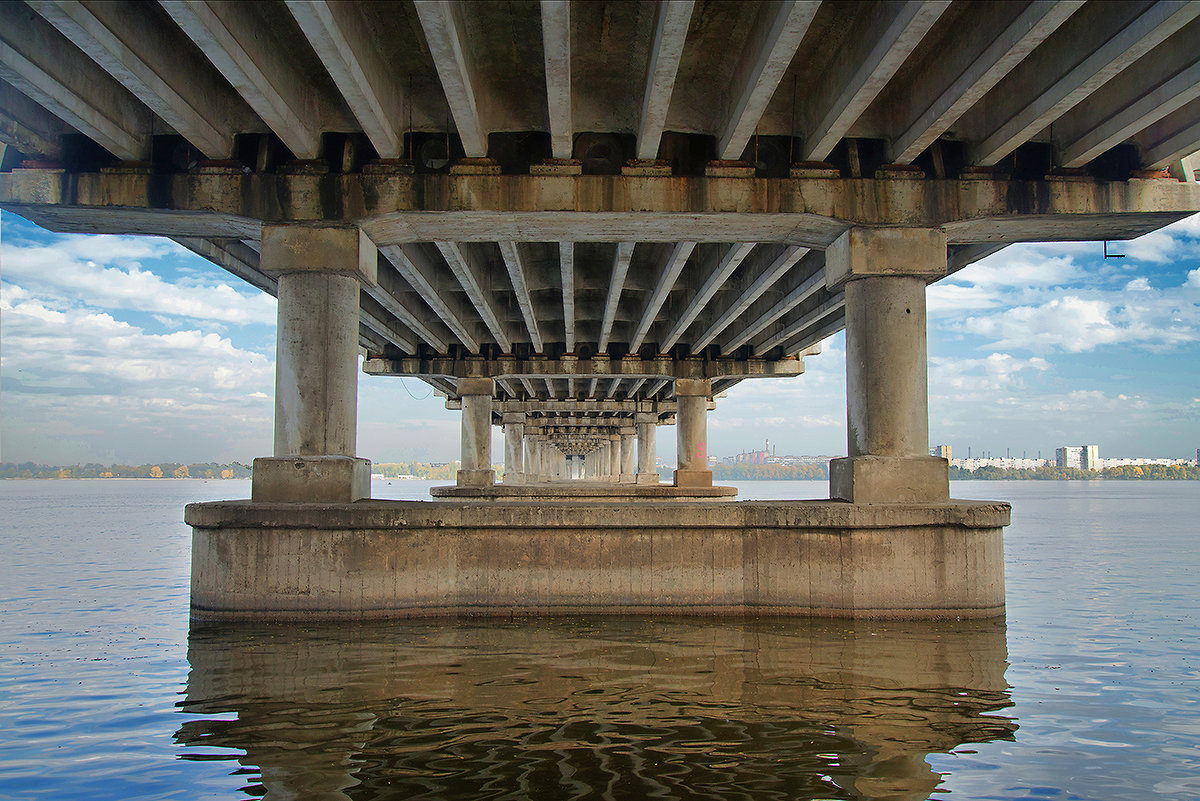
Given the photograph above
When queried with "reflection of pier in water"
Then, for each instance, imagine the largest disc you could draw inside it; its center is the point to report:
(608, 709)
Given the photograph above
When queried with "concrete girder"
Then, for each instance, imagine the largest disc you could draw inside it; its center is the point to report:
(392, 293)
(566, 265)
(797, 322)
(655, 387)
(1154, 25)
(238, 45)
(157, 65)
(510, 252)
(762, 277)
(556, 47)
(668, 273)
(342, 39)
(525, 382)
(1175, 137)
(232, 255)
(616, 284)
(962, 255)
(665, 368)
(729, 262)
(43, 65)
(861, 74)
(27, 126)
(777, 33)
(814, 337)
(429, 282)
(808, 279)
(670, 35)
(376, 317)
(967, 74)
(442, 23)
(1158, 84)
(471, 275)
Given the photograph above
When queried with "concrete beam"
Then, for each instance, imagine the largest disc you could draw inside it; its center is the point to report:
(615, 285)
(798, 322)
(1150, 28)
(1175, 137)
(566, 264)
(663, 368)
(377, 317)
(729, 262)
(760, 279)
(511, 253)
(470, 275)
(778, 30)
(233, 256)
(393, 293)
(442, 23)
(863, 68)
(43, 65)
(668, 274)
(342, 39)
(556, 47)
(973, 73)
(670, 34)
(28, 127)
(152, 59)
(429, 281)
(239, 46)
(808, 281)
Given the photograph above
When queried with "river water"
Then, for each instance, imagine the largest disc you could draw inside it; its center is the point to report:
(1089, 689)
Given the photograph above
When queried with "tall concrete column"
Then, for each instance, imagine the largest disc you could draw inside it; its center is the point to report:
(319, 272)
(475, 469)
(884, 273)
(647, 455)
(532, 440)
(514, 449)
(628, 455)
(614, 453)
(691, 432)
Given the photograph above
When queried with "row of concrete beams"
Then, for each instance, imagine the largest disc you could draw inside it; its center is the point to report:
(1100, 73)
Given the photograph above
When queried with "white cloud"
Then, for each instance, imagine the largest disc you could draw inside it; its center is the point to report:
(106, 272)
(1070, 323)
(997, 372)
(1139, 284)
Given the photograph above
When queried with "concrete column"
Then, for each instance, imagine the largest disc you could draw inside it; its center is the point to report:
(514, 449)
(691, 432)
(884, 273)
(319, 272)
(614, 457)
(476, 467)
(532, 475)
(647, 434)
(628, 455)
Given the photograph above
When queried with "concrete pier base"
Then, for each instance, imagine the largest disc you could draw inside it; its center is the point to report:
(378, 559)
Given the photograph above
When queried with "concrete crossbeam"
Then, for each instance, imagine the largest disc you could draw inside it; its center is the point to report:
(764, 276)
(466, 267)
(515, 265)
(566, 264)
(442, 23)
(668, 273)
(797, 323)
(430, 281)
(27, 126)
(806, 281)
(663, 368)
(616, 285)
(556, 47)
(729, 262)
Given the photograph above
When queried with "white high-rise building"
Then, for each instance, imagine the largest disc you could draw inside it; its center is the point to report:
(1082, 457)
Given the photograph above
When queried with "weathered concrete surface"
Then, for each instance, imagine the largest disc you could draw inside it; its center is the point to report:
(585, 490)
(311, 479)
(411, 558)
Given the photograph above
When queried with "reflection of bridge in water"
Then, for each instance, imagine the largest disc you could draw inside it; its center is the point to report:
(584, 220)
(615, 709)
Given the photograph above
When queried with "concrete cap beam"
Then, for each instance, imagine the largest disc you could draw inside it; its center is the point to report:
(323, 249)
(869, 252)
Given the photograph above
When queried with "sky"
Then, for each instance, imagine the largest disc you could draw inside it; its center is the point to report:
(134, 350)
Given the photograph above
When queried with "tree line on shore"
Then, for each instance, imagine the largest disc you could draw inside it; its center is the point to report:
(1156, 472)
(92, 470)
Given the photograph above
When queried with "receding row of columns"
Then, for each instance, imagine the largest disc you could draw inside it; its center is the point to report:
(320, 270)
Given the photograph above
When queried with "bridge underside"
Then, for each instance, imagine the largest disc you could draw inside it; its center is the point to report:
(582, 222)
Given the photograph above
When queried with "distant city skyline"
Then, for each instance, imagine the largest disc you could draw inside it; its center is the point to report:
(132, 349)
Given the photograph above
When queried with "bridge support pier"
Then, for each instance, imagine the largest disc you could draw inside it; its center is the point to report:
(475, 469)
(319, 271)
(647, 433)
(628, 456)
(514, 449)
(691, 431)
(884, 273)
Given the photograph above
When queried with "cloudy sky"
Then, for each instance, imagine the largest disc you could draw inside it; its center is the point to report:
(132, 349)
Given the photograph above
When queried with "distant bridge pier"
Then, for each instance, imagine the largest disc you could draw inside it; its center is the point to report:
(647, 432)
(514, 448)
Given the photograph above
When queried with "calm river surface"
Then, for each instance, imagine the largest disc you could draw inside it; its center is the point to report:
(1089, 690)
